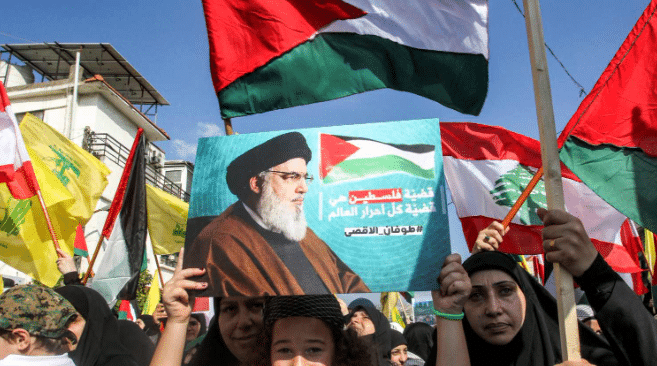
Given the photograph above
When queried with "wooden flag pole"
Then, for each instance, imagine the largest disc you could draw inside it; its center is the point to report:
(50, 228)
(553, 184)
(159, 271)
(93, 260)
(228, 125)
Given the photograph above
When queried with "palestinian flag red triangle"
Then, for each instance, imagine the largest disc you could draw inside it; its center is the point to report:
(333, 151)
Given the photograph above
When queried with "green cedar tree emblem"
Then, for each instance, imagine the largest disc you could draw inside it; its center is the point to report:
(509, 186)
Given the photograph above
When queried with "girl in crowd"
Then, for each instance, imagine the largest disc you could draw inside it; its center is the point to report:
(510, 319)
(100, 343)
(309, 330)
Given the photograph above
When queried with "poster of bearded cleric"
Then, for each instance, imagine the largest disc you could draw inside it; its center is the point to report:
(344, 209)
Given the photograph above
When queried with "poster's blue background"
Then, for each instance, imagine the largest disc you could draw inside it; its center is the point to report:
(386, 263)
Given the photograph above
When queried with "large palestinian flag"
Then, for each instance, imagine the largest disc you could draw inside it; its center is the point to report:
(488, 167)
(611, 141)
(273, 54)
(346, 158)
(125, 230)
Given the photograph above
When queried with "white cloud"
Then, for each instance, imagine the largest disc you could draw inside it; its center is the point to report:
(209, 129)
(184, 149)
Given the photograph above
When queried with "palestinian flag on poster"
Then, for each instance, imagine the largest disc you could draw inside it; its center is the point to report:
(488, 167)
(286, 53)
(345, 158)
(610, 143)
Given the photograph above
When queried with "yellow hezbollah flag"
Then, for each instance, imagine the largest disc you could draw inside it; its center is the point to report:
(25, 241)
(80, 172)
(153, 297)
(389, 302)
(167, 220)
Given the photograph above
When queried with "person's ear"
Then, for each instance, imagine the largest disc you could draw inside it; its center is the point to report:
(254, 184)
(22, 339)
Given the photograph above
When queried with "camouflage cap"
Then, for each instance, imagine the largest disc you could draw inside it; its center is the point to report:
(37, 309)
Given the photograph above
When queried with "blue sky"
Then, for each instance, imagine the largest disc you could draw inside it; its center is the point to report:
(166, 42)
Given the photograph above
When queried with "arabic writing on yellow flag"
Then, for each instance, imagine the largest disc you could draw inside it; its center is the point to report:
(167, 220)
(80, 172)
(25, 241)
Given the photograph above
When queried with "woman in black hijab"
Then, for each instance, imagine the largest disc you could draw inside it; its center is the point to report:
(511, 319)
(100, 343)
(136, 341)
(373, 328)
(419, 338)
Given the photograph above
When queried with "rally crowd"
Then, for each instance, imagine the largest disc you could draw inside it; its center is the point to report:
(489, 311)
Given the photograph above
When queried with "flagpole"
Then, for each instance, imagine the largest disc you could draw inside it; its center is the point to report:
(45, 213)
(159, 271)
(553, 185)
(522, 198)
(93, 260)
(228, 125)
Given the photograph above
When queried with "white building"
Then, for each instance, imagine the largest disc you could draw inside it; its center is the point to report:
(100, 110)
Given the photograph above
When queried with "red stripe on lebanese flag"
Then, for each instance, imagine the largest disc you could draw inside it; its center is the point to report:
(15, 165)
(488, 167)
(245, 35)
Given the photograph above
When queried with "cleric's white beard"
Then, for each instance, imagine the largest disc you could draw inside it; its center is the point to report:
(276, 214)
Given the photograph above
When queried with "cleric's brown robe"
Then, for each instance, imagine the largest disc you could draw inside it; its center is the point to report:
(240, 262)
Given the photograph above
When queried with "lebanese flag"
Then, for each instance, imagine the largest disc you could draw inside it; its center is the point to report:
(488, 167)
(267, 55)
(15, 165)
(610, 143)
(125, 230)
(344, 158)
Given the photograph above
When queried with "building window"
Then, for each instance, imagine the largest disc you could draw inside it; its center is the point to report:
(37, 114)
(174, 176)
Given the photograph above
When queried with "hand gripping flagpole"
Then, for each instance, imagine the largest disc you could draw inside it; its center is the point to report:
(552, 165)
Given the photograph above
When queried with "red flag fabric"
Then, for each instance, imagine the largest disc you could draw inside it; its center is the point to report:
(80, 244)
(15, 165)
(610, 143)
(245, 35)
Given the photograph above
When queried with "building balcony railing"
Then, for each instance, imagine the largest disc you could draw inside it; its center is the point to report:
(103, 145)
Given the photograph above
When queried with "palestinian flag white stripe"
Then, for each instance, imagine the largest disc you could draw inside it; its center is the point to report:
(372, 149)
(465, 30)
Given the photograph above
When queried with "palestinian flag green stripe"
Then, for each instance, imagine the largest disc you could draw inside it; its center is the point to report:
(336, 65)
(361, 168)
(621, 176)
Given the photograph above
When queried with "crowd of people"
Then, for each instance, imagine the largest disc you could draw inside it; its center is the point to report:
(488, 311)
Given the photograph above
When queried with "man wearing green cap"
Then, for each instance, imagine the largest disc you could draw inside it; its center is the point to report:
(34, 327)
(261, 245)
